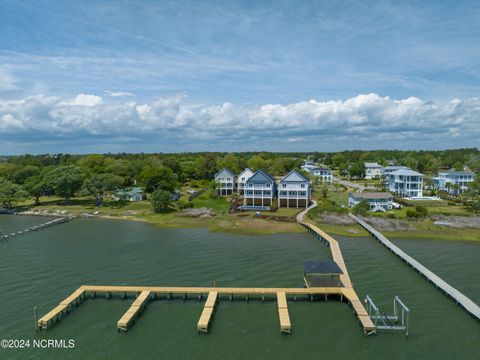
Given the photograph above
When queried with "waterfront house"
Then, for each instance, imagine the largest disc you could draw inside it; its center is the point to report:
(373, 170)
(378, 201)
(242, 178)
(294, 190)
(308, 166)
(225, 182)
(454, 182)
(387, 170)
(406, 183)
(260, 189)
(324, 174)
(130, 194)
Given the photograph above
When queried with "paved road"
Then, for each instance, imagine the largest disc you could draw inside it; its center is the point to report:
(351, 184)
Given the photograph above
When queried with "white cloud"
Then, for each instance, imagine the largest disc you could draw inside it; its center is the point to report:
(379, 121)
(118, 94)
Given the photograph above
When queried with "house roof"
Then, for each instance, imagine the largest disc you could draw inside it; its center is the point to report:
(293, 177)
(373, 165)
(245, 170)
(406, 172)
(321, 268)
(261, 177)
(129, 192)
(322, 168)
(227, 170)
(455, 172)
(371, 195)
(396, 167)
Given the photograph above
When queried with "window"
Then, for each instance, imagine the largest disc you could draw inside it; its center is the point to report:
(250, 185)
(284, 186)
(268, 185)
(302, 186)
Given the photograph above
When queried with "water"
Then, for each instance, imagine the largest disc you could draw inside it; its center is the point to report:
(42, 268)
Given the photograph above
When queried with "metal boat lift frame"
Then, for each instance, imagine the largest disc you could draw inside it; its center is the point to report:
(375, 315)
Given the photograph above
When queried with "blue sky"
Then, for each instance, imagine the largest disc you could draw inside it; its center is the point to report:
(95, 76)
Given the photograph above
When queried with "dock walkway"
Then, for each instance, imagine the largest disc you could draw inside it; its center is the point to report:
(204, 321)
(453, 293)
(133, 311)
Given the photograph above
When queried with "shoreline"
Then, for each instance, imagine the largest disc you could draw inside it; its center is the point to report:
(257, 226)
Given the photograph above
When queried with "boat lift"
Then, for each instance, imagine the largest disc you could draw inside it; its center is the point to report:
(389, 322)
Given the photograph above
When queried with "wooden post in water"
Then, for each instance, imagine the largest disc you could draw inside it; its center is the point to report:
(35, 318)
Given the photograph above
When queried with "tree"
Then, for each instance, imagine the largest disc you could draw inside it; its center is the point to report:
(157, 177)
(22, 174)
(65, 181)
(458, 166)
(36, 187)
(256, 162)
(94, 163)
(99, 184)
(357, 170)
(11, 194)
(361, 208)
(324, 190)
(229, 161)
(161, 200)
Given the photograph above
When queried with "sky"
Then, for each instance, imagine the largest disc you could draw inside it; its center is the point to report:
(173, 76)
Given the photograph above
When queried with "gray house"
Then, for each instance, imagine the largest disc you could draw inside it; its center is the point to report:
(378, 201)
(260, 189)
(294, 190)
(225, 180)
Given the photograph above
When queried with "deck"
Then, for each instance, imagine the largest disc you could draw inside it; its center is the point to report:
(204, 321)
(453, 293)
(133, 311)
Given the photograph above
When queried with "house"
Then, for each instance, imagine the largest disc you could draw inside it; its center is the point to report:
(308, 166)
(406, 183)
(242, 178)
(373, 170)
(260, 189)
(322, 173)
(378, 201)
(131, 194)
(391, 168)
(176, 195)
(294, 190)
(225, 182)
(446, 181)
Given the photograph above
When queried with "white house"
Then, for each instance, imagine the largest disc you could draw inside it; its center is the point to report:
(260, 189)
(225, 180)
(132, 194)
(308, 166)
(406, 183)
(242, 178)
(373, 170)
(387, 170)
(446, 179)
(378, 201)
(323, 173)
(294, 190)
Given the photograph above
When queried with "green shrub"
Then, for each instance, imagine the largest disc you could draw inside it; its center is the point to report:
(161, 200)
(361, 208)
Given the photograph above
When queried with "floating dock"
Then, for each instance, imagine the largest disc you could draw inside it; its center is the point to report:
(133, 311)
(285, 324)
(453, 293)
(204, 321)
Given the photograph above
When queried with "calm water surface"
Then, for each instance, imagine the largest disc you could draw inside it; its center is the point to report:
(42, 268)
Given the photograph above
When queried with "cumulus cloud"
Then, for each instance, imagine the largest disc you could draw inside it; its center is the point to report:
(381, 121)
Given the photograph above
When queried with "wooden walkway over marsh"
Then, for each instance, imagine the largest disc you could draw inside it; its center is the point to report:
(449, 290)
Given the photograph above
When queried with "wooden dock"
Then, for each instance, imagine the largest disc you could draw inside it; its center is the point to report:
(347, 291)
(285, 324)
(167, 293)
(204, 321)
(133, 311)
(453, 293)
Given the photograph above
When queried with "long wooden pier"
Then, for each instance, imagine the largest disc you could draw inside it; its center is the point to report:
(348, 291)
(133, 311)
(207, 312)
(453, 293)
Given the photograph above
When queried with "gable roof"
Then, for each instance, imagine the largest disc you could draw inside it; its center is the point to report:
(129, 191)
(293, 176)
(373, 165)
(456, 172)
(261, 177)
(244, 171)
(227, 170)
(406, 172)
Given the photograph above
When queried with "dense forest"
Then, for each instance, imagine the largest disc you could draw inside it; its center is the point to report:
(67, 175)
